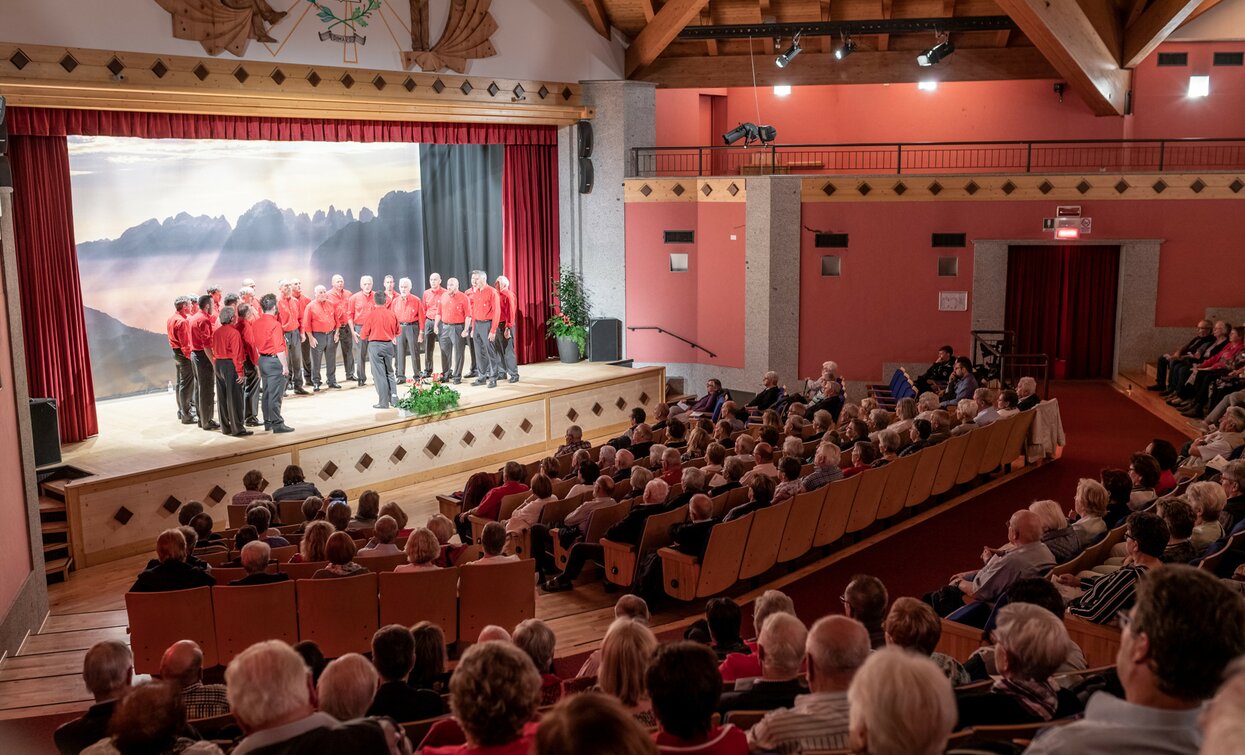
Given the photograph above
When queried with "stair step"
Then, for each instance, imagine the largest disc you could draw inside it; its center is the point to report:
(57, 565)
(50, 505)
(1151, 370)
(54, 488)
(50, 547)
(46, 527)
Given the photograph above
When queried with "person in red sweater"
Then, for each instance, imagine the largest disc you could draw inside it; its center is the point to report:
(450, 328)
(290, 313)
(432, 310)
(340, 296)
(201, 358)
(320, 325)
(410, 311)
(485, 305)
(361, 304)
(490, 506)
(379, 331)
(507, 320)
(178, 328)
(230, 352)
(296, 290)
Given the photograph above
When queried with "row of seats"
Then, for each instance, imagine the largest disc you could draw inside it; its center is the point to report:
(340, 615)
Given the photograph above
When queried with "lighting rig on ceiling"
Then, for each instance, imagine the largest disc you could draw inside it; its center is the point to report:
(941, 49)
(750, 132)
(788, 55)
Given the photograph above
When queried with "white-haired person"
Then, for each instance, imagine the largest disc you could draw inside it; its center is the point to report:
(781, 653)
(107, 671)
(745, 666)
(966, 411)
(1207, 500)
(1089, 509)
(535, 638)
(409, 309)
(901, 704)
(1026, 389)
(347, 686)
(384, 540)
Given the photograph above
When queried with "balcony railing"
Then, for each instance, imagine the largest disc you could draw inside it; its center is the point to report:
(934, 158)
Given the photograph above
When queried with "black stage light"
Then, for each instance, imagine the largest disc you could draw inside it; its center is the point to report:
(936, 53)
(750, 132)
(782, 61)
(847, 48)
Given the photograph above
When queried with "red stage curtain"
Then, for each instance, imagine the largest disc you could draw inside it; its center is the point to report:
(55, 122)
(58, 363)
(529, 190)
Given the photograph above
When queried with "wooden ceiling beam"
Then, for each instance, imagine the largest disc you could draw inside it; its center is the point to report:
(1066, 36)
(598, 16)
(978, 64)
(1158, 21)
(1106, 21)
(660, 32)
(1205, 6)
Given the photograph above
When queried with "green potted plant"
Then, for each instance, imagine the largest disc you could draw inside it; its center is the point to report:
(569, 323)
(424, 399)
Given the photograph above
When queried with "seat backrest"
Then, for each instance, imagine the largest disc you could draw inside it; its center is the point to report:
(305, 570)
(408, 598)
(923, 478)
(284, 552)
(251, 614)
(991, 458)
(721, 504)
(979, 439)
(868, 498)
(949, 465)
(503, 594)
(511, 502)
(340, 615)
(895, 494)
(1015, 446)
(226, 574)
(897, 379)
(469, 554)
(603, 518)
(622, 488)
(764, 539)
(719, 569)
(797, 536)
(214, 559)
(562, 487)
(290, 511)
(158, 619)
(832, 523)
(236, 514)
(564, 465)
(555, 511)
(657, 531)
(378, 564)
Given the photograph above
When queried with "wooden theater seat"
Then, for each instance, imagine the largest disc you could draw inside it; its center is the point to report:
(797, 537)
(958, 640)
(622, 560)
(978, 440)
(410, 597)
(898, 481)
(922, 484)
(1099, 642)
(378, 564)
(503, 594)
(305, 570)
(949, 466)
(868, 498)
(832, 524)
(158, 619)
(254, 613)
(508, 505)
(761, 551)
(598, 522)
(688, 578)
(340, 615)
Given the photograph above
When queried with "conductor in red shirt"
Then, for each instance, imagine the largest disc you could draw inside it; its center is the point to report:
(508, 318)
(409, 309)
(178, 328)
(379, 332)
(450, 328)
(230, 351)
(201, 327)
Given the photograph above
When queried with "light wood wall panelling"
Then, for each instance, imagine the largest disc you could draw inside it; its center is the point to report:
(685, 189)
(1023, 187)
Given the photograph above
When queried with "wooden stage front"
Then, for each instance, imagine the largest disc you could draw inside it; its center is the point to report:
(144, 463)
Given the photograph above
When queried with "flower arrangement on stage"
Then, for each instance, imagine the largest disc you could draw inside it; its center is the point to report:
(424, 399)
(570, 309)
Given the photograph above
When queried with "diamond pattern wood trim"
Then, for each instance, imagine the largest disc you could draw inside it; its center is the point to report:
(1017, 187)
(434, 446)
(398, 454)
(526, 426)
(123, 515)
(328, 470)
(469, 438)
(364, 463)
(644, 398)
(217, 494)
(621, 403)
(571, 414)
(597, 409)
(170, 504)
(499, 431)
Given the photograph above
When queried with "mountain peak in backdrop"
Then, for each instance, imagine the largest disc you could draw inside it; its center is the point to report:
(389, 242)
(178, 234)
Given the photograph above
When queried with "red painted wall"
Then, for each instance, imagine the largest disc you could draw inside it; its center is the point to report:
(704, 304)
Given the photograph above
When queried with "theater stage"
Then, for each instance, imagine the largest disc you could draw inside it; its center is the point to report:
(144, 463)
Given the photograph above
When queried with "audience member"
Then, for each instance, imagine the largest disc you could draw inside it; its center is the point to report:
(961, 384)
(790, 485)
(591, 724)
(1145, 540)
(535, 638)
(182, 666)
(338, 515)
(732, 472)
(1144, 472)
(340, 552)
(422, 550)
(780, 648)
(900, 704)
(1026, 389)
(1008, 403)
(625, 653)
(747, 665)
(1223, 722)
(1208, 500)
(311, 549)
(865, 599)
(149, 720)
(428, 671)
(494, 694)
(293, 486)
(259, 517)
(913, 625)
(1057, 535)
(986, 413)
(684, 685)
(493, 541)
(574, 441)
(107, 670)
(392, 509)
(760, 495)
(513, 475)
(1088, 509)
(825, 467)
(188, 511)
(255, 559)
(720, 628)
(393, 654)
(938, 373)
(347, 687)
(172, 573)
(626, 607)
(1028, 557)
(1039, 592)
(1179, 517)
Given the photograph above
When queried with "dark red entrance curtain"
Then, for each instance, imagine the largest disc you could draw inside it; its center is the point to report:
(58, 364)
(1061, 302)
(529, 190)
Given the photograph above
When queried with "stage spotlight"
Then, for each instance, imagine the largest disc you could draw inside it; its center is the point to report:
(750, 132)
(936, 53)
(847, 48)
(782, 61)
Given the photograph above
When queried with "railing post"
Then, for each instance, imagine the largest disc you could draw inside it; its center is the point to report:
(1029, 158)
(898, 159)
(700, 161)
(635, 161)
(773, 157)
(1162, 149)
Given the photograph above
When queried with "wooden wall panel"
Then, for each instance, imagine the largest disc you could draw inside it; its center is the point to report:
(607, 406)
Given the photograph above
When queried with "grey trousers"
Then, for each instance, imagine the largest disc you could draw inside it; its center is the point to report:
(1232, 399)
(408, 345)
(184, 386)
(452, 340)
(251, 391)
(347, 345)
(430, 340)
(205, 383)
(324, 352)
(306, 359)
(503, 354)
(484, 363)
(274, 391)
(231, 399)
(380, 354)
(294, 352)
(362, 356)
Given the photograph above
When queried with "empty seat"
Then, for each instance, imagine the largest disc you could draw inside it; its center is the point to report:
(503, 594)
(158, 619)
(949, 465)
(340, 615)
(923, 478)
(978, 440)
(797, 536)
(410, 597)
(868, 498)
(832, 524)
(895, 494)
(254, 613)
(764, 538)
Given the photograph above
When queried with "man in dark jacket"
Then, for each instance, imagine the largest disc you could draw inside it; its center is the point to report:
(107, 670)
(781, 647)
(393, 654)
(172, 573)
(255, 557)
(690, 537)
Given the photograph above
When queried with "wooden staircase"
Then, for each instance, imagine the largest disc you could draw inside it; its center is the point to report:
(54, 526)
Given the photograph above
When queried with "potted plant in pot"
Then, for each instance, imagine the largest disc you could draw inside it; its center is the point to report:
(569, 323)
(428, 398)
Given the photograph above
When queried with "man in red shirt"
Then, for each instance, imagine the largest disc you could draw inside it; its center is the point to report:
(269, 339)
(450, 329)
(178, 329)
(379, 332)
(201, 358)
(230, 352)
(409, 310)
(490, 505)
(390, 294)
(296, 287)
(484, 317)
(361, 305)
(252, 387)
(289, 313)
(340, 296)
(320, 325)
(215, 293)
(508, 317)
(432, 308)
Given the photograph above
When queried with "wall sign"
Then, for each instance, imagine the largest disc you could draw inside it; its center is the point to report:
(952, 301)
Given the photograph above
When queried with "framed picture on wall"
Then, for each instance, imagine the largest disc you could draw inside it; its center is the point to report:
(952, 301)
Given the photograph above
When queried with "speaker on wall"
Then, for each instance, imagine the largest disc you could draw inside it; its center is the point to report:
(46, 431)
(585, 138)
(605, 340)
(585, 175)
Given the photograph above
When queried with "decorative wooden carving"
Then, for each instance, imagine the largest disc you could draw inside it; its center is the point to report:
(466, 36)
(221, 25)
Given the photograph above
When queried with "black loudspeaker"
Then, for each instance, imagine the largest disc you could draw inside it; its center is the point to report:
(585, 176)
(46, 431)
(585, 138)
(605, 340)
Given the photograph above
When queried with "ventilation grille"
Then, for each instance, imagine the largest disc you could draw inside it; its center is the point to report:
(1230, 58)
(948, 240)
(680, 237)
(831, 241)
(1173, 58)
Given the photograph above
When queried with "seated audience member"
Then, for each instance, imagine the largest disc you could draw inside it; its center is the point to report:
(961, 384)
(1223, 722)
(422, 551)
(938, 373)
(107, 670)
(1193, 395)
(733, 416)
(313, 510)
(313, 658)
(270, 695)
(493, 541)
(188, 511)
(441, 526)
(338, 515)
(966, 412)
(586, 474)
(747, 665)
(854, 431)
(1222, 441)
(707, 405)
(535, 638)
(607, 460)
(623, 461)
(1169, 460)
(720, 628)
(641, 440)
(836, 647)
(676, 434)
(637, 417)
(149, 720)
(1119, 487)
(684, 685)
(293, 486)
(574, 441)
(864, 599)
(513, 475)
(690, 538)
(900, 705)
(369, 509)
(732, 473)
(428, 670)
(479, 484)
(626, 607)
(392, 509)
(246, 534)
(625, 653)
(1063, 541)
(760, 495)
(1007, 404)
(764, 455)
(347, 687)
(202, 524)
(914, 626)
(877, 420)
(640, 478)
(744, 445)
(781, 651)
(1187, 354)
(905, 412)
(255, 558)
(259, 517)
(494, 694)
(697, 445)
(192, 540)
(528, 514)
(1232, 480)
(831, 401)
(251, 482)
(393, 654)
(383, 542)
(1143, 472)
(790, 485)
(769, 395)
(1088, 509)
(1028, 557)
(794, 426)
(1176, 641)
(602, 495)
(340, 551)
(661, 413)
(926, 404)
(172, 573)
(918, 436)
(1208, 500)
(1145, 540)
(1179, 517)
(793, 447)
(1030, 645)
(671, 465)
(889, 444)
(591, 723)
(1037, 591)
(987, 414)
(863, 455)
(182, 666)
(940, 427)
(715, 458)
(311, 549)
(825, 467)
(1026, 389)
(822, 422)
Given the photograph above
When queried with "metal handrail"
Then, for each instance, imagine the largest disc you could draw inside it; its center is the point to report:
(693, 344)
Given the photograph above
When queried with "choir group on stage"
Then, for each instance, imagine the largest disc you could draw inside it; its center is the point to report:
(241, 351)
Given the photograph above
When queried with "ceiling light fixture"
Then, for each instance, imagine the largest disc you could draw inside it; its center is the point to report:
(782, 90)
(782, 61)
(750, 132)
(847, 48)
(942, 49)
(927, 86)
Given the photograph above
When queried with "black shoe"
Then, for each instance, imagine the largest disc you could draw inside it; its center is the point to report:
(471, 374)
(212, 426)
(315, 389)
(492, 383)
(380, 406)
(556, 585)
(282, 429)
(361, 383)
(478, 381)
(243, 434)
(1193, 412)
(252, 423)
(514, 379)
(301, 392)
(190, 422)
(457, 381)
(1175, 401)
(1157, 388)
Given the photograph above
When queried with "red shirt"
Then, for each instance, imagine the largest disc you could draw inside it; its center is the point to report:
(247, 331)
(432, 302)
(227, 344)
(490, 507)
(721, 740)
(521, 746)
(408, 308)
(303, 301)
(509, 311)
(485, 306)
(200, 332)
(454, 308)
(320, 317)
(178, 328)
(381, 325)
(389, 297)
(341, 304)
(289, 313)
(361, 305)
(267, 335)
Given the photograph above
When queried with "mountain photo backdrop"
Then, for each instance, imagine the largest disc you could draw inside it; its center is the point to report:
(160, 218)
